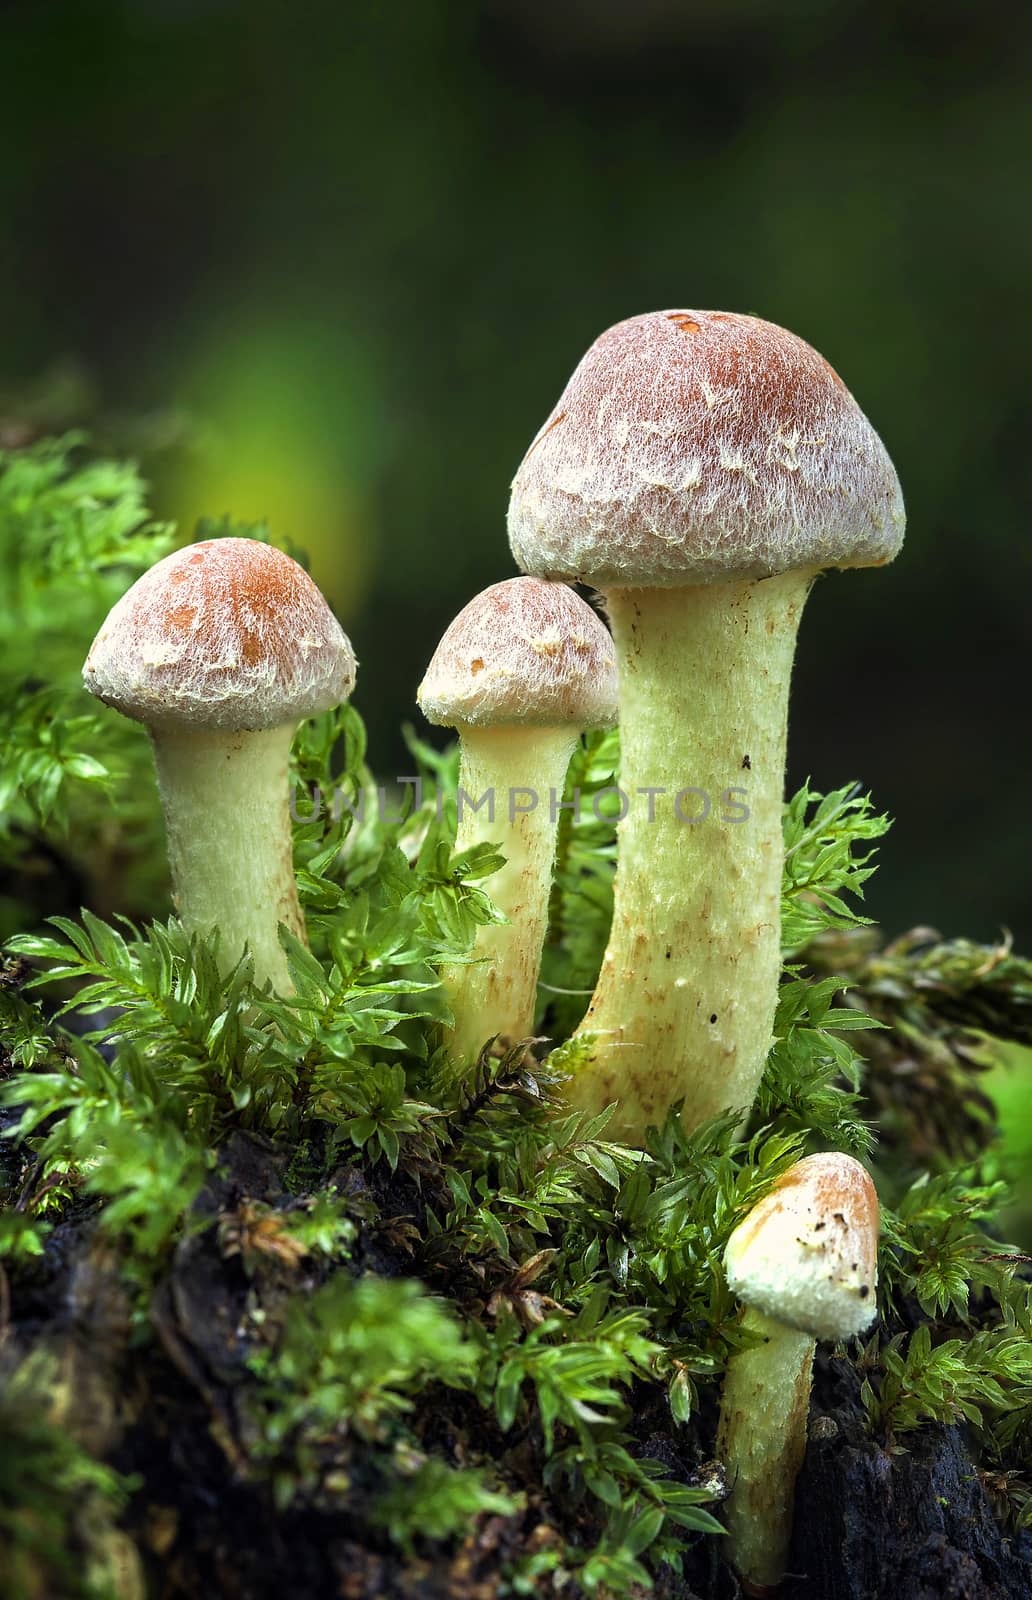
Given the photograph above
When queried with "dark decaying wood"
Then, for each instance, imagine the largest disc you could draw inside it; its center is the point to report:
(913, 1525)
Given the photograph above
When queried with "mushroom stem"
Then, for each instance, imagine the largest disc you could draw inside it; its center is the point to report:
(515, 778)
(225, 799)
(762, 1441)
(687, 1013)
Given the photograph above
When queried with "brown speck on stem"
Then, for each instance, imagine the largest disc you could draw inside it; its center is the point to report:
(476, 665)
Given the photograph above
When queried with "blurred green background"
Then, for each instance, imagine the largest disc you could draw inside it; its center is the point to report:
(331, 265)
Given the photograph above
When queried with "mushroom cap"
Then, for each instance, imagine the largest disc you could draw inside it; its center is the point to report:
(226, 634)
(807, 1254)
(523, 651)
(696, 446)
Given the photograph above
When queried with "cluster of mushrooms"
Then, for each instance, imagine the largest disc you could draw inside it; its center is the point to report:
(698, 472)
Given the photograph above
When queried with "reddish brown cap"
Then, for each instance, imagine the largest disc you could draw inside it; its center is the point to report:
(227, 634)
(695, 446)
(523, 651)
(807, 1254)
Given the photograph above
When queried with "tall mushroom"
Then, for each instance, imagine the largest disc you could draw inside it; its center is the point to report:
(523, 669)
(221, 650)
(804, 1262)
(700, 468)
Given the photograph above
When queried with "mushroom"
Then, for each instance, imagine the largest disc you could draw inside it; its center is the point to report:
(523, 669)
(700, 468)
(221, 650)
(804, 1262)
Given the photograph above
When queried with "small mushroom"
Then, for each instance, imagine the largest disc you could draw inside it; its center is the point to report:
(804, 1263)
(221, 650)
(523, 669)
(700, 469)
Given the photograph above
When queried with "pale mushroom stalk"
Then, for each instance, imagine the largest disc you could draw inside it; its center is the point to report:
(221, 650)
(510, 783)
(691, 969)
(523, 669)
(762, 1441)
(230, 846)
(804, 1262)
(699, 469)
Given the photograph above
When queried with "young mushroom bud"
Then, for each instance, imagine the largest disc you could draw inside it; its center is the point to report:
(804, 1262)
(221, 650)
(521, 672)
(700, 469)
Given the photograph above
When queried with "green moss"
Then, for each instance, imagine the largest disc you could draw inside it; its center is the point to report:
(443, 1242)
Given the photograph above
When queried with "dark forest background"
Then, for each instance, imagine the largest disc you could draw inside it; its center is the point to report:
(331, 264)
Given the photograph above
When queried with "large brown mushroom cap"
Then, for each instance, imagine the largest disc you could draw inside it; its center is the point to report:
(807, 1254)
(227, 634)
(693, 446)
(523, 652)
